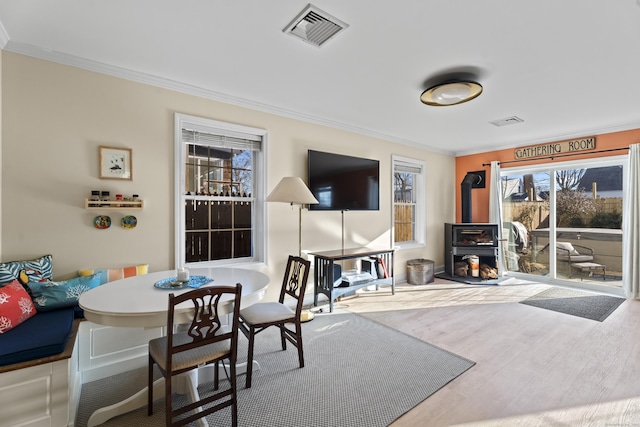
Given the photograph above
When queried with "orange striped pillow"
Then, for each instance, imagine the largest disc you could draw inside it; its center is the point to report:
(109, 275)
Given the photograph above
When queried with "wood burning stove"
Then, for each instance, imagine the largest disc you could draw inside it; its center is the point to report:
(470, 242)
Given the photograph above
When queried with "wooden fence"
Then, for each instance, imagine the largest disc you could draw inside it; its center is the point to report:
(610, 204)
(532, 214)
(403, 223)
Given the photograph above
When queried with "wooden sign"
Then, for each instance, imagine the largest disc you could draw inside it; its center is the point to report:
(555, 148)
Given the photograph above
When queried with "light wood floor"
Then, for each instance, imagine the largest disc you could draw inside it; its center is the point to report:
(534, 367)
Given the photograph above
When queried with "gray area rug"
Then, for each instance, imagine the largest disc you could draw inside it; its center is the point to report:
(575, 303)
(357, 373)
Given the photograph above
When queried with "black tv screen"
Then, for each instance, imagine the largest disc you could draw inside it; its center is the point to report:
(344, 182)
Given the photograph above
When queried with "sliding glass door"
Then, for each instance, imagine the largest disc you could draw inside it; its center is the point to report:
(563, 221)
(526, 219)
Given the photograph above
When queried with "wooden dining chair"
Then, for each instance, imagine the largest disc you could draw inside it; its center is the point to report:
(258, 317)
(207, 339)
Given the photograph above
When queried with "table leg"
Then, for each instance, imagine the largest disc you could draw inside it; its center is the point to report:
(188, 384)
(132, 403)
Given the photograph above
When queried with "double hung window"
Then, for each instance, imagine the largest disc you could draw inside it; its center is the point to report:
(218, 192)
(408, 202)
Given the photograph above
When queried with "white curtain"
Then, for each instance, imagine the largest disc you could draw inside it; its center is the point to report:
(495, 212)
(631, 227)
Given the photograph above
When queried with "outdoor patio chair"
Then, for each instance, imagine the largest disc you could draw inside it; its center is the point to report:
(570, 253)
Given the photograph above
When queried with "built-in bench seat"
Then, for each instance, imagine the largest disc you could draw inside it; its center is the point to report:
(39, 337)
(41, 390)
(45, 359)
(39, 378)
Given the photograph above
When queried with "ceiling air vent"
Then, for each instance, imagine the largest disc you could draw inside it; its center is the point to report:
(314, 26)
(508, 121)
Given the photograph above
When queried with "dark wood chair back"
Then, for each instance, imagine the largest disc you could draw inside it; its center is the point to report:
(206, 327)
(210, 337)
(294, 283)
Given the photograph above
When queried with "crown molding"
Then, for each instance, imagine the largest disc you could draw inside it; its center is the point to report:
(149, 79)
(4, 37)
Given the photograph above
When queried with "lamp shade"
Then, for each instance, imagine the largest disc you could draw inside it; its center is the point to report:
(292, 189)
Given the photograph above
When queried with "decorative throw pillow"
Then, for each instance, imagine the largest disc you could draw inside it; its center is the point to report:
(15, 306)
(109, 275)
(40, 269)
(53, 295)
(567, 247)
(30, 275)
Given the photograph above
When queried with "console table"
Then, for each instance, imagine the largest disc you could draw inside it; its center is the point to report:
(324, 269)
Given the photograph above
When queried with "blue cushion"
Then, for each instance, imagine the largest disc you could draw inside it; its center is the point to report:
(78, 312)
(45, 334)
(54, 295)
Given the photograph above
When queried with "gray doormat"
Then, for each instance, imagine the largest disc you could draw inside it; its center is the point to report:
(357, 373)
(575, 303)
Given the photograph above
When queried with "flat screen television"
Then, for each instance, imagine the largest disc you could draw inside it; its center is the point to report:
(342, 182)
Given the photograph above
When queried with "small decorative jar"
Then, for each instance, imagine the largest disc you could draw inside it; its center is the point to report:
(183, 275)
(94, 201)
(104, 196)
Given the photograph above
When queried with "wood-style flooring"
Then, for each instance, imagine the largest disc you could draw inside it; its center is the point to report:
(534, 367)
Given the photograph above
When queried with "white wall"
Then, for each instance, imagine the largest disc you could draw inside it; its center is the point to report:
(54, 118)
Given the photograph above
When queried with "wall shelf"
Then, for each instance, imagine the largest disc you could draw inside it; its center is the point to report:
(113, 204)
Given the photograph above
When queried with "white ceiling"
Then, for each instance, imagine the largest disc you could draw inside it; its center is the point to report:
(568, 68)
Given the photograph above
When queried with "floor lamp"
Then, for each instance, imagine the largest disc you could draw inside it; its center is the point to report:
(293, 190)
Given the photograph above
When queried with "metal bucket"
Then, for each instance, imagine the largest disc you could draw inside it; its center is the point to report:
(420, 271)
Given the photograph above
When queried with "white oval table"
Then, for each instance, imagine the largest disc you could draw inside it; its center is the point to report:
(135, 302)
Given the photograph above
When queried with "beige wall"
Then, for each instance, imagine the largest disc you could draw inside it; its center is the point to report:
(55, 117)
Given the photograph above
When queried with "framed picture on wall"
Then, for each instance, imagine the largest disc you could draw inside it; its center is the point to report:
(115, 163)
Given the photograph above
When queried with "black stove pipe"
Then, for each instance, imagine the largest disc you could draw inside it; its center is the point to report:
(465, 192)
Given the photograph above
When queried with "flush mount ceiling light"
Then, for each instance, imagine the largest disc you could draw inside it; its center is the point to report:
(451, 93)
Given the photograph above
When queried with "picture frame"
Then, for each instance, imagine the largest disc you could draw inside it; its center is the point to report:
(115, 163)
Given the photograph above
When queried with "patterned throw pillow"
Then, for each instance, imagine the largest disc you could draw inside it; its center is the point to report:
(15, 306)
(53, 295)
(30, 275)
(39, 269)
(109, 275)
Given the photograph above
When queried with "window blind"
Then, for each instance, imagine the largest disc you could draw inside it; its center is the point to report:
(404, 167)
(224, 139)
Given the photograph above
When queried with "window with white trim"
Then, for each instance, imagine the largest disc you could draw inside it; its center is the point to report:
(219, 192)
(408, 202)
